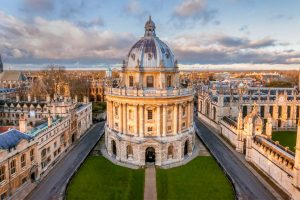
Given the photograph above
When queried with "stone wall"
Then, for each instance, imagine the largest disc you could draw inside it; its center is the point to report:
(229, 132)
(276, 163)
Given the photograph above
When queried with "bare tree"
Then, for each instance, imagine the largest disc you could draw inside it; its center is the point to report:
(52, 77)
(79, 87)
(38, 89)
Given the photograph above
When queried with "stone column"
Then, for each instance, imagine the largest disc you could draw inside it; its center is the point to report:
(175, 118)
(121, 118)
(164, 132)
(141, 120)
(158, 121)
(136, 120)
(180, 118)
(124, 118)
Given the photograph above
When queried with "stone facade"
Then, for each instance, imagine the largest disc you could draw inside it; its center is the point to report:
(282, 104)
(149, 116)
(47, 140)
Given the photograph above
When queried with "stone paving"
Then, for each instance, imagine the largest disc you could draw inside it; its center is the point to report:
(150, 183)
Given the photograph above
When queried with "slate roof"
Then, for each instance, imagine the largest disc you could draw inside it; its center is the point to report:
(11, 138)
(12, 76)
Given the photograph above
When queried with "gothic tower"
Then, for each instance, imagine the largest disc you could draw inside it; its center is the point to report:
(1, 65)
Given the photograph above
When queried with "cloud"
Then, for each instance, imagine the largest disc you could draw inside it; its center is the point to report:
(281, 17)
(195, 10)
(59, 40)
(38, 5)
(97, 22)
(134, 9)
(224, 49)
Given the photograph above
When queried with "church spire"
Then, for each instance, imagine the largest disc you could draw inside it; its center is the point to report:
(149, 27)
(1, 65)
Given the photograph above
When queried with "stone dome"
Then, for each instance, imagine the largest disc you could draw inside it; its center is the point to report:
(150, 51)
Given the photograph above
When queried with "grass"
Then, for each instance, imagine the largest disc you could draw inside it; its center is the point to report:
(286, 138)
(200, 179)
(98, 178)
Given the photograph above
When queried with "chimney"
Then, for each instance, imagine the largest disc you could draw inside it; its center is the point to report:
(1, 65)
(48, 99)
(76, 99)
(29, 98)
(49, 120)
(17, 98)
(23, 124)
(35, 99)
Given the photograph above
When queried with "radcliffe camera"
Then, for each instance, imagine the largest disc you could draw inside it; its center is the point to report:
(147, 100)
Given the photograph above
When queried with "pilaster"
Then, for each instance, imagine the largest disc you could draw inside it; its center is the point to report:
(141, 120)
(180, 118)
(158, 121)
(175, 118)
(164, 132)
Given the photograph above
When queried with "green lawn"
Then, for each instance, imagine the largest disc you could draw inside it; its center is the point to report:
(200, 179)
(286, 138)
(98, 178)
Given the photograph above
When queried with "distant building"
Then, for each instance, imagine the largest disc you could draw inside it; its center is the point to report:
(1, 64)
(97, 90)
(12, 79)
(218, 101)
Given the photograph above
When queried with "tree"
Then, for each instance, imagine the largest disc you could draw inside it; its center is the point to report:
(38, 89)
(52, 77)
(79, 87)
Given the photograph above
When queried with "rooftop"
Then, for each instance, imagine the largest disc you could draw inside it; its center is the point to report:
(11, 138)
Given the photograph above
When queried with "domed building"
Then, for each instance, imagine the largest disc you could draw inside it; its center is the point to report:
(149, 115)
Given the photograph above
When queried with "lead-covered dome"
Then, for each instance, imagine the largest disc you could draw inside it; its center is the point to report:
(150, 51)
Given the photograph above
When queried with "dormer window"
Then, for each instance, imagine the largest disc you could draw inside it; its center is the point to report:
(133, 56)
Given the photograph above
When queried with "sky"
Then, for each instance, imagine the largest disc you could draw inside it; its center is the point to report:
(204, 34)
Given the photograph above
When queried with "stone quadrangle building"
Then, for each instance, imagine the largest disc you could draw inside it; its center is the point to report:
(150, 116)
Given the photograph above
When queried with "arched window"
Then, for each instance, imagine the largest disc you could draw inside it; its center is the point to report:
(23, 160)
(150, 81)
(170, 151)
(207, 108)
(169, 81)
(129, 151)
(13, 167)
(113, 147)
(130, 81)
(186, 147)
(116, 111)
(150, 114)
(183, 111)
(214, 113)
(2, 173)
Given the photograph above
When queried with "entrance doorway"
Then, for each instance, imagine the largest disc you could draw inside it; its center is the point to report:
(150, 154)
(32, 177)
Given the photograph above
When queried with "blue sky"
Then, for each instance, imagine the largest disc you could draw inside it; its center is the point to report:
(202, 33)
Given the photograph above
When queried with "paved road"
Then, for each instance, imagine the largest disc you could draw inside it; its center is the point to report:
(250, 187)
(50, 187)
